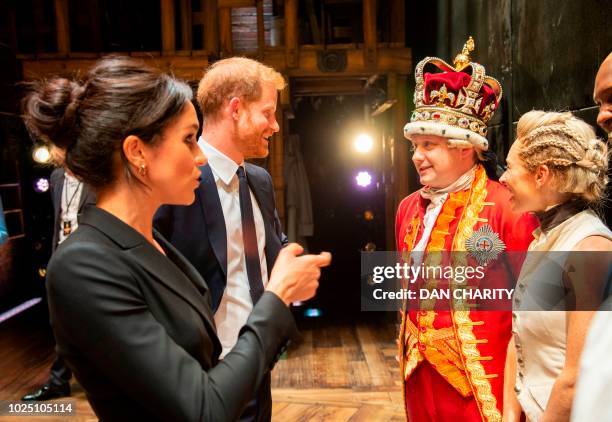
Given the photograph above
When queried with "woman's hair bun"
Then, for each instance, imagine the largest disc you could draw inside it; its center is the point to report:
(50, 110)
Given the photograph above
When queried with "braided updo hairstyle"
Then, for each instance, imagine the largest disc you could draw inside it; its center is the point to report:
(89, 119)
(569, 147)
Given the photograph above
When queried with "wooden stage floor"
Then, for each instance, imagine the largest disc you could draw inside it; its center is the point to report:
(339, 371)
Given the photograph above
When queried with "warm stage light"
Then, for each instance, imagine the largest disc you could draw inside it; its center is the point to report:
(41, 185)
(363, 179)
(363, 143)
(41, 154)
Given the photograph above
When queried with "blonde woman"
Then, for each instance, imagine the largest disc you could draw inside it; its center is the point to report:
(557, 169)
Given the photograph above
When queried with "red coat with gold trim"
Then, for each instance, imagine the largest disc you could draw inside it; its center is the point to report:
(467, 348)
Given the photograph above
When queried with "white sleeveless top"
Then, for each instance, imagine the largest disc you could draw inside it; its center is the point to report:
(540, 336)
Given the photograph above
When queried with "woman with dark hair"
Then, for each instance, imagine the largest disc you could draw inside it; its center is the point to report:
(130, 315)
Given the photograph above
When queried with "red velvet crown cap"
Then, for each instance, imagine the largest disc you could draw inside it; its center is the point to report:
(454, 82)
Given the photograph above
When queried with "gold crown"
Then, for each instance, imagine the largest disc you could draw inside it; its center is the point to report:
(462, 97)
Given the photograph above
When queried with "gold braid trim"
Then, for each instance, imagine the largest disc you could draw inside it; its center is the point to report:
(441, 350)
(409, 354)
(487, 403)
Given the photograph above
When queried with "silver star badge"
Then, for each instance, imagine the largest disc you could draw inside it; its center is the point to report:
(484, 245)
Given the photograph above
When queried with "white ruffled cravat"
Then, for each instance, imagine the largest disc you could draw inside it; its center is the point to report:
(437, 197)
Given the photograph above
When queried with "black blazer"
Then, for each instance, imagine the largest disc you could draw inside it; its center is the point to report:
(56, 186)
(137, 329)
(198, 230)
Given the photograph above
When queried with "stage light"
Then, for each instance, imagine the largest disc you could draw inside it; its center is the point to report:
(41, 185)
(368, 215)
(312, 313)
(41, 154)
(363, 179)
(363, 143)
(42, 272)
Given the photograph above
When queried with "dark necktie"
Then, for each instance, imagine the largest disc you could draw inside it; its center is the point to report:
(249, 236)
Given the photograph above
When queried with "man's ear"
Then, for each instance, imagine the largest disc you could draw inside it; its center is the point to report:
(234, 107)
(133, 149)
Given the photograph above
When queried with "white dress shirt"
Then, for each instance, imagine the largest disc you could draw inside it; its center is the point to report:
(69, 210)
(236, 303)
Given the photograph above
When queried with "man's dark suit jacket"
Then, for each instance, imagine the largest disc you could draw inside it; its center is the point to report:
(198, 230)
(137, 328)
(56, 186)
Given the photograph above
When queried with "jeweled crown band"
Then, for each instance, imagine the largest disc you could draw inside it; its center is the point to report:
(453, 118)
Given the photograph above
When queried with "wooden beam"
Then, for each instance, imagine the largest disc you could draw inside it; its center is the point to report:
(168, 28)
(186, 25)
(398, 21)
(401, 154)
(369, 32)
(277, 153)
(211, 27)
(314, 25)
(236, 3)
(285, 94)
(186, 67)
(397, 60)
(225, 31)
(261, 29)
(291, 33)
(62, 26)
(327, 86)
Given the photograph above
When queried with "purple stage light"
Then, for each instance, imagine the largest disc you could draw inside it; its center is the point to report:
(363, 179)
(41, 185)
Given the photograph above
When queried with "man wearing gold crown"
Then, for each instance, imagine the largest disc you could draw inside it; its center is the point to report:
(452, 361)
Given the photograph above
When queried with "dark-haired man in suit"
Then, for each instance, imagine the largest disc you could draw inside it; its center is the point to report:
(231, 233)
(69, 196)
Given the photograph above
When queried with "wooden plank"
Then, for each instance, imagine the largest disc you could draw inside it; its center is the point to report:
(391, 172)
(261, 30)
(314, 24)
(398, 22)
(211, 27)
(327, 86)
(376, 365)
(186, 25)
(225, 31)
(62, 26)
(168, 28)
(291, 34)
(236, 3)
(401, 155)
(369, 33)
(277, 161)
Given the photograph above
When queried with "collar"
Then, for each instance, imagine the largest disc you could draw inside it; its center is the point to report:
(462, 183)
(222, 166)
(556, 215)
(121, 233)
(71, 179)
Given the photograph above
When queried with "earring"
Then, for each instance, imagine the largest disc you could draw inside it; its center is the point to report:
(142, 170)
